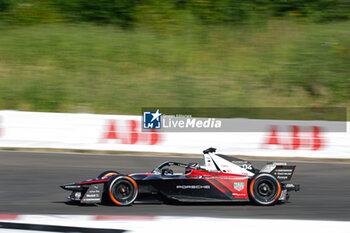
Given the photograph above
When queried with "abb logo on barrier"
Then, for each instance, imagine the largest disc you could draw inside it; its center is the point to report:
(297, 138)
(128, 132)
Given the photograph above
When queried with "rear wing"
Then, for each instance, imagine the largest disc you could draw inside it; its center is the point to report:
(223, 163)
(281, 171)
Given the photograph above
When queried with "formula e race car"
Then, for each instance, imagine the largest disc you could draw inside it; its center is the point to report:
(221, 178)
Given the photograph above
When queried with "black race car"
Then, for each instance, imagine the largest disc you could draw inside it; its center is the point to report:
(221, 178)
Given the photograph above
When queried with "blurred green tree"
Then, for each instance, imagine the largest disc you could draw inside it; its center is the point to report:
(4, 5)
(103, 11)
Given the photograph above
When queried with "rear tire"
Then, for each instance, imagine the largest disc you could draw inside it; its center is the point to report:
(108, 174)
(122, 190)
(264, 189)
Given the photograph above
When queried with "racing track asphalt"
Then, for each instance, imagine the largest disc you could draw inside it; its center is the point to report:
(29, 184)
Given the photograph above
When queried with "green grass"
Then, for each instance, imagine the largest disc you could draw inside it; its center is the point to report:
(104, 69)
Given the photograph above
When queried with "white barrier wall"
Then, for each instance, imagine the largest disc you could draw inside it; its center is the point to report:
(158, 224)
(122, 133)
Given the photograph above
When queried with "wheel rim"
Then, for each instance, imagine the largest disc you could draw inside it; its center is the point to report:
(123, 192)
(265, 190)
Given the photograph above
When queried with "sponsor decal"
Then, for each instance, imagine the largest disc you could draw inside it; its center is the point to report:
(152, 120)
(72, 186)
(284, 170)
(77, 195)
(91, 199)
(239, 194)
(239, 186)
(193, 186)
(247, 166)
(93, 194)
(283, 173)
(297, 138)
(94, 191)
(129, 132)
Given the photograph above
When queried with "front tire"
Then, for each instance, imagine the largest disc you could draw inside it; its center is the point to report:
(122, 190)
(264, 189)
(108, 174)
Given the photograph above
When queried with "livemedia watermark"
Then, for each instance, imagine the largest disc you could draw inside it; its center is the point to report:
(242, 119)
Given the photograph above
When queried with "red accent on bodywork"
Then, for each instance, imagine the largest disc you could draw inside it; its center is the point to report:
(200, 173)
(218, 185)
(94, 181)
(213, 174)
(106, 179)
(223, 181)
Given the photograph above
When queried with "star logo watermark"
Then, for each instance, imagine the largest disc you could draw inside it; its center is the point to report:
(152, 120)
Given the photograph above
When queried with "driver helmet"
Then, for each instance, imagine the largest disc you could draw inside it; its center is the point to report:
(192, 166)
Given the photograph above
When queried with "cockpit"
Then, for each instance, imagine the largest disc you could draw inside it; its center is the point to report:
(167, 168)
(212, 162)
